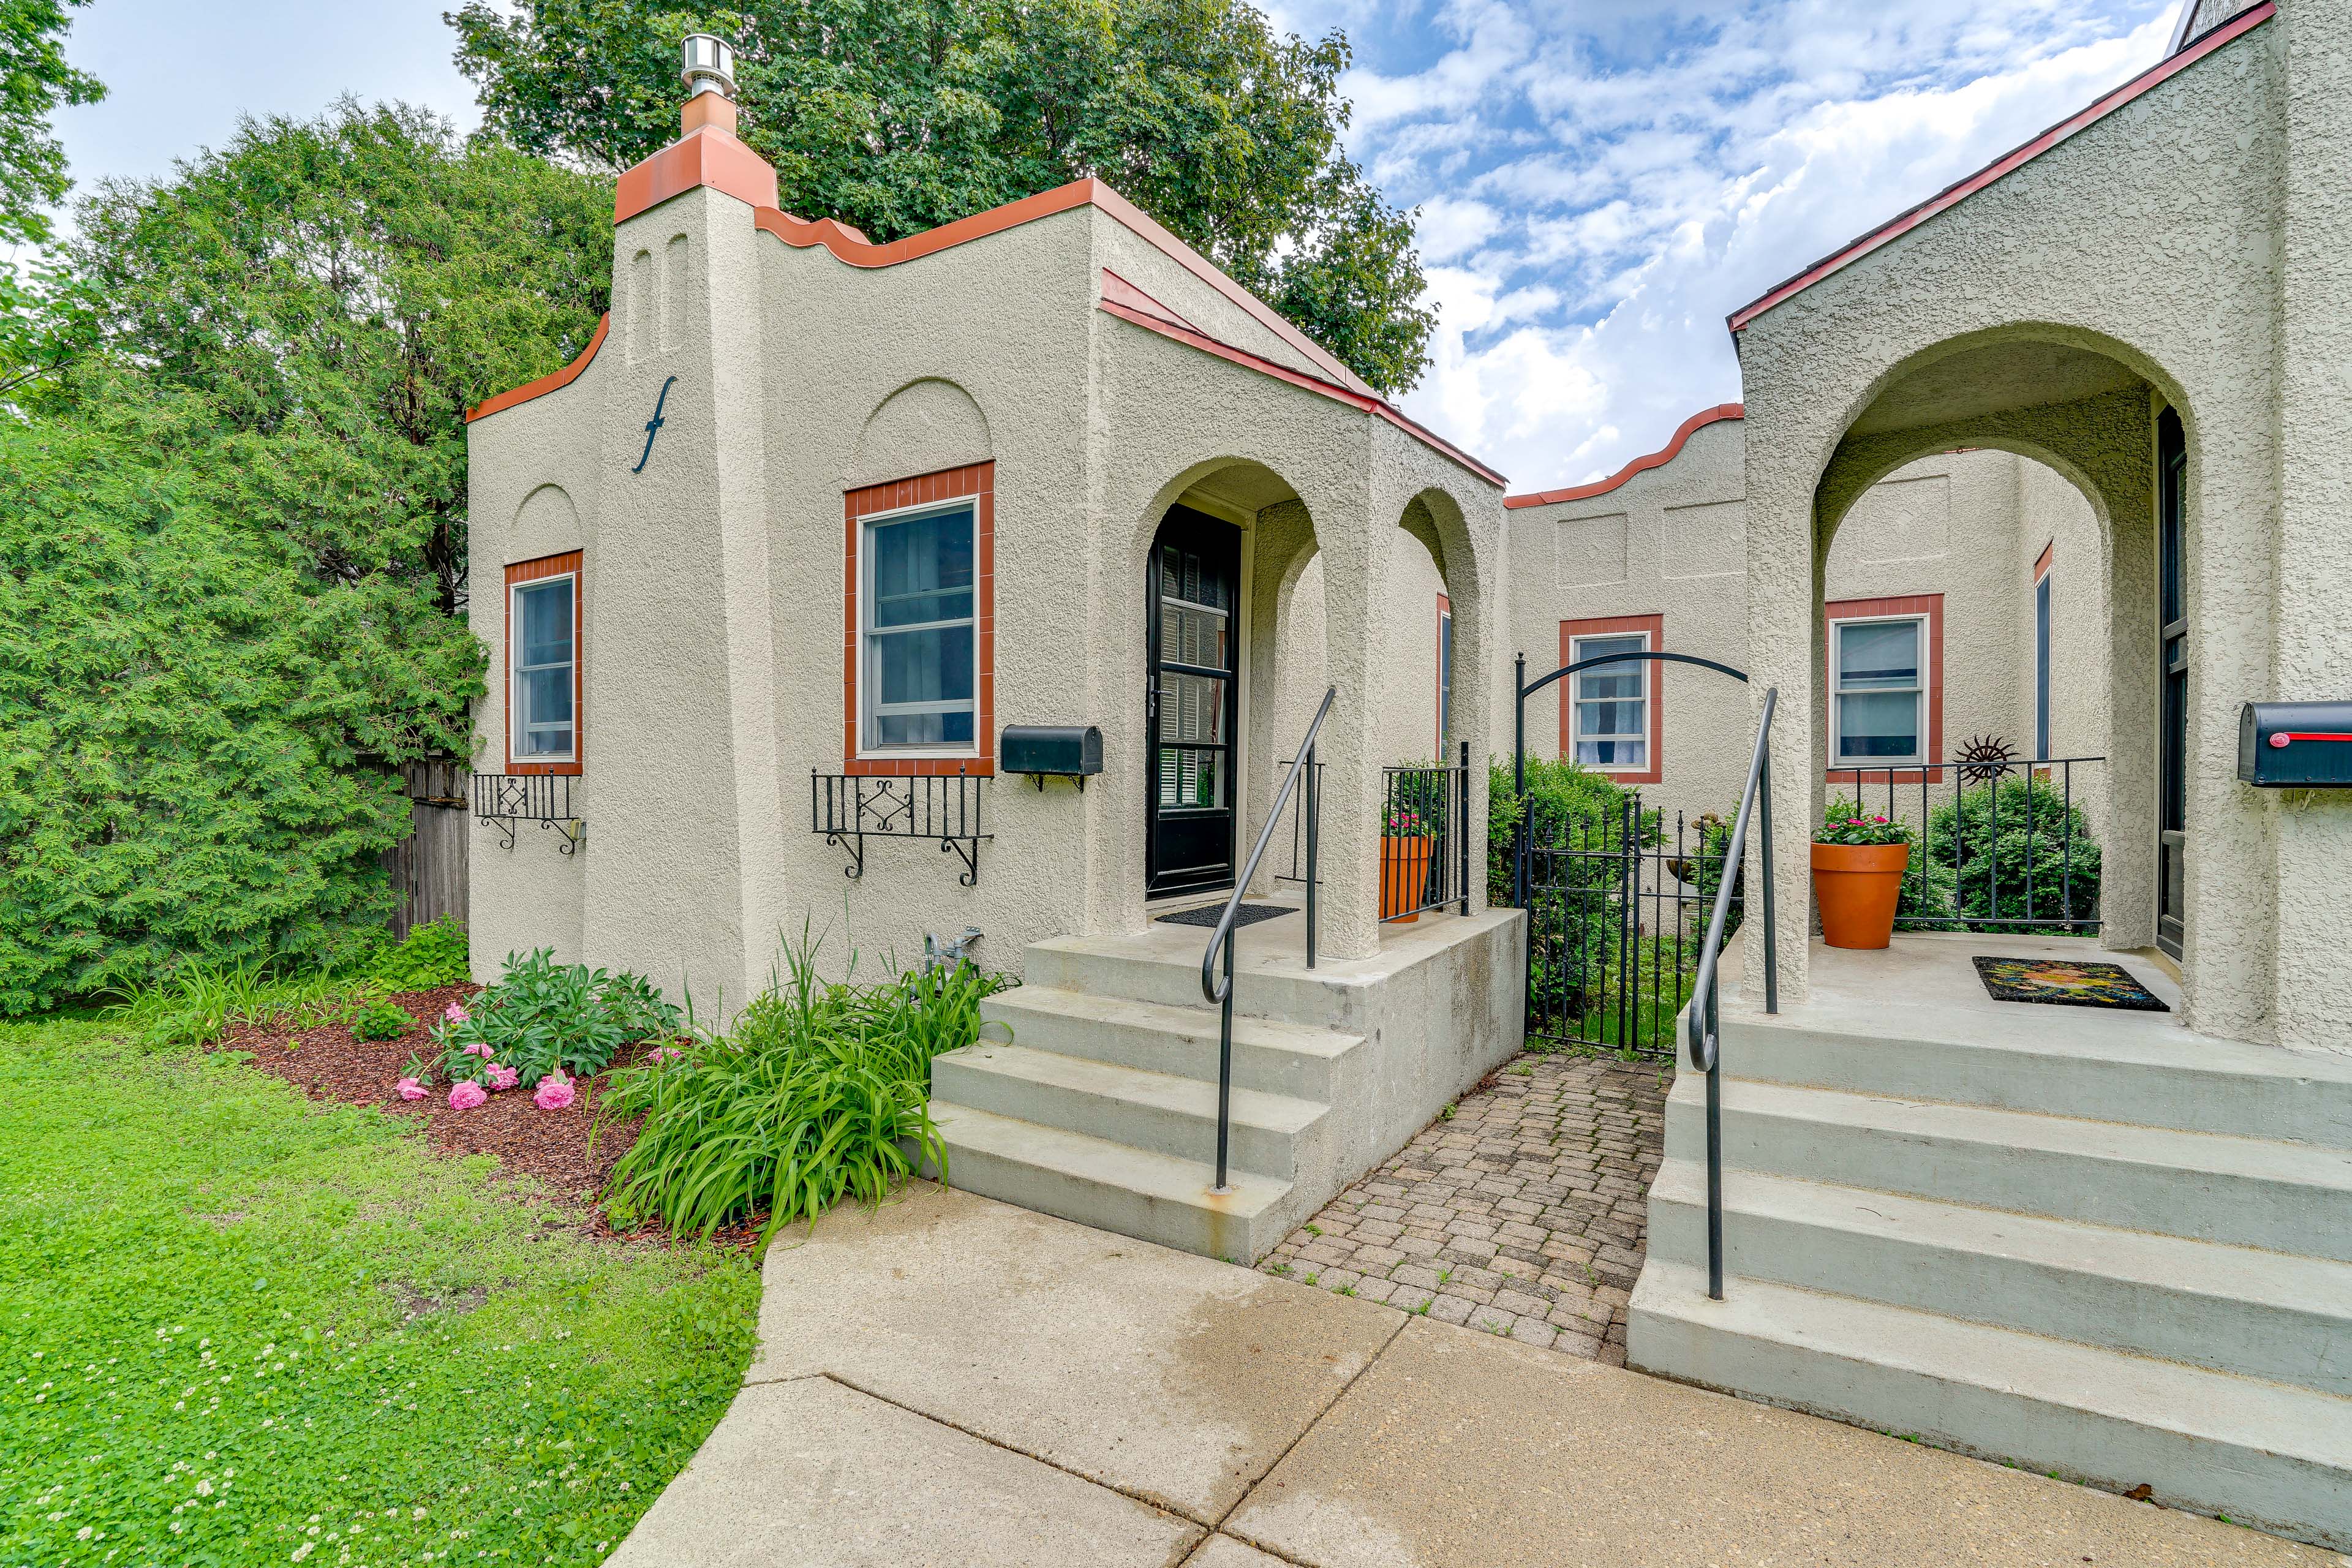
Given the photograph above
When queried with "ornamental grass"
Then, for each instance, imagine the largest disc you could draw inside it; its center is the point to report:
(820, 1091)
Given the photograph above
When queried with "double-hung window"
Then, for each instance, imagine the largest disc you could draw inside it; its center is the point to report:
(543, 664)
(1880, 693)
(1611, 704)
(917, 633)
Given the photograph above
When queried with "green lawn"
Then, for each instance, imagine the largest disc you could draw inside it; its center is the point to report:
(248, 1329)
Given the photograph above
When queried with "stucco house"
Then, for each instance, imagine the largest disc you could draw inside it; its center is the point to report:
(786, 559)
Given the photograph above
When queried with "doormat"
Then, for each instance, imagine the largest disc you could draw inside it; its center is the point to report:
(2067, 983)
(1247, 915)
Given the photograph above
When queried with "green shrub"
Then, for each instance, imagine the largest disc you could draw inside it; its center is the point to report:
(1576, 905)
(819, 1092)
(1983, 858)
(380, 1020)
(432, 955)
(542, 1015)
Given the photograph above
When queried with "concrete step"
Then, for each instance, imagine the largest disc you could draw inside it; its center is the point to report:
(1269, 982)
(2061, 1061)
(2233, 1309)
(2245, 1191)
(2266, 1454)
(1269, 1054)
(1154, 1197)
(1157, 1112)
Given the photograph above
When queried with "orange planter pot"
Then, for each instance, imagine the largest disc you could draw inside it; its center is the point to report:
(1404, 876)
(1856, 887)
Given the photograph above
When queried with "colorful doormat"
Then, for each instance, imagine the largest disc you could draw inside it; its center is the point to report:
(1247, 915)
(2068, 982)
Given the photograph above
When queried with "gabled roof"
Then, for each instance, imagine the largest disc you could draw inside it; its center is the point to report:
(2192, 48)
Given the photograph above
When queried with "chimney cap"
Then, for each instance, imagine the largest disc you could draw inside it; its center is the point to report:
(710, 64)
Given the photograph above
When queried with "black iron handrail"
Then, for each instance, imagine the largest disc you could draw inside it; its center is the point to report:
(1705, 1042)
(1223, 937)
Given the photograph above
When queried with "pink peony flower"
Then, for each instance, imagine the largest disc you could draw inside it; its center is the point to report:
(466, 1095)
(477, 1049)
(554, 1092)
(409, 1088)
(456, 1012)
(503, 1077)
(661, 1053)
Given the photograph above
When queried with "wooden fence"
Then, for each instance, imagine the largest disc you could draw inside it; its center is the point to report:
(428, 866)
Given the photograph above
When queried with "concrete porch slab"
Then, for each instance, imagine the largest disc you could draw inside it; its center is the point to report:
(811, 1473)
(1461, 1451)
(1173, 1378)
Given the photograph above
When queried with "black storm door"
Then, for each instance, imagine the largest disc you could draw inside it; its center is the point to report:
(2172, 755)
(1189, 703)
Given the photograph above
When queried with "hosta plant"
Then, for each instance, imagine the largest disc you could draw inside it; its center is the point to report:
(542, 1015)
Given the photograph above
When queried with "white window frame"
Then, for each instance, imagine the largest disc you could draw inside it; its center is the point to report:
(868, 680)
(517, 719)
(1922, 695)
(1577, 700)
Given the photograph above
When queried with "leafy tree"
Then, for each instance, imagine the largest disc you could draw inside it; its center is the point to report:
(336, 292)
(34, 80)
(896, 116)
(196, 729)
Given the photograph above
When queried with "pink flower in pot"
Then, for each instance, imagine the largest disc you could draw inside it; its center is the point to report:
(467, 1095)
(554, 1092)
(503, 1077)
(409, 1088)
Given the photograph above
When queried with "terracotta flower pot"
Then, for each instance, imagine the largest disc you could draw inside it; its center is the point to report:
(1404, 876)
(1855, 887)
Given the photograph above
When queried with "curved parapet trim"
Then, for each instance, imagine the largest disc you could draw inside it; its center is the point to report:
(545, 383)
(1657, 460)
(848, 245)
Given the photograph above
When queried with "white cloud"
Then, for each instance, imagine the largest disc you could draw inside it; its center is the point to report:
(1601, 186)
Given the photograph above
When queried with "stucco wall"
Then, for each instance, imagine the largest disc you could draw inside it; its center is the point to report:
(2179, 190)
(714, 647)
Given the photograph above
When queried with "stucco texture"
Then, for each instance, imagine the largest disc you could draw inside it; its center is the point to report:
(715, 583)
(2004, 323)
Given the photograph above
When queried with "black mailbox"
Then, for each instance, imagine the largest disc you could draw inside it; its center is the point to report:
(2295, 745)
(1071, 750)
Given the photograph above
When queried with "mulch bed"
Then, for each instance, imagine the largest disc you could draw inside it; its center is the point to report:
(330, 1063)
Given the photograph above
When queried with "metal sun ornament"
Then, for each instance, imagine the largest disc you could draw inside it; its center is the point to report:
(1985, 759)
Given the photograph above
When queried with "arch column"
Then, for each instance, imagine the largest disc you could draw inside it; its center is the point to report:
(1282, 545)
(1356, 556)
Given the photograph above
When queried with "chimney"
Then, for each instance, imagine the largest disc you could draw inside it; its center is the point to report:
(709, 76)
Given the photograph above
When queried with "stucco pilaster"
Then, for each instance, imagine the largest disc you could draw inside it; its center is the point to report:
(1357, 544)
(2312, 834)
(680, 657)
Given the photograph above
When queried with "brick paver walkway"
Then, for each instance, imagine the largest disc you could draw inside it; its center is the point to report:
(1522, 1213)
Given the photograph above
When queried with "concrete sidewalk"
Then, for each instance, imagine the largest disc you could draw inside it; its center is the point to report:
(958, 1383)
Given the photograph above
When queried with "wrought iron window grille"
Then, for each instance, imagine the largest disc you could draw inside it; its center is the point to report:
(504, 801)
(849, 808)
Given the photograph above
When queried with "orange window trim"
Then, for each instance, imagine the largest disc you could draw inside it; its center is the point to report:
(530, 572)
(976, 482)
(2041, 563)
(1931, 606)
(1618, 625)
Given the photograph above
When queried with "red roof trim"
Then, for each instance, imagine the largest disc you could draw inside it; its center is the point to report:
(1657, 460)
(1952, 195)
(848, 245)
(709, 156)
(1337, 393)
(545, 383)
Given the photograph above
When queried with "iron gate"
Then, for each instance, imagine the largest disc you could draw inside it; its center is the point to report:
(1617, 907)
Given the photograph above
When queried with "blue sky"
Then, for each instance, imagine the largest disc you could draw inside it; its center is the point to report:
(1601, 180)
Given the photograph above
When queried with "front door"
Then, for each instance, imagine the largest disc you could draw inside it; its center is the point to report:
(2172, 757)
(1189, 703)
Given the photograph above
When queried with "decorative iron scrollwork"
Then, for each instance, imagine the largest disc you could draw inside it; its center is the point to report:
(504, 801)
(849, 808)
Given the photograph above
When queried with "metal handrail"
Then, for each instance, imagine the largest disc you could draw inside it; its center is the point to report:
(1223, 937)
(1706, 1043)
